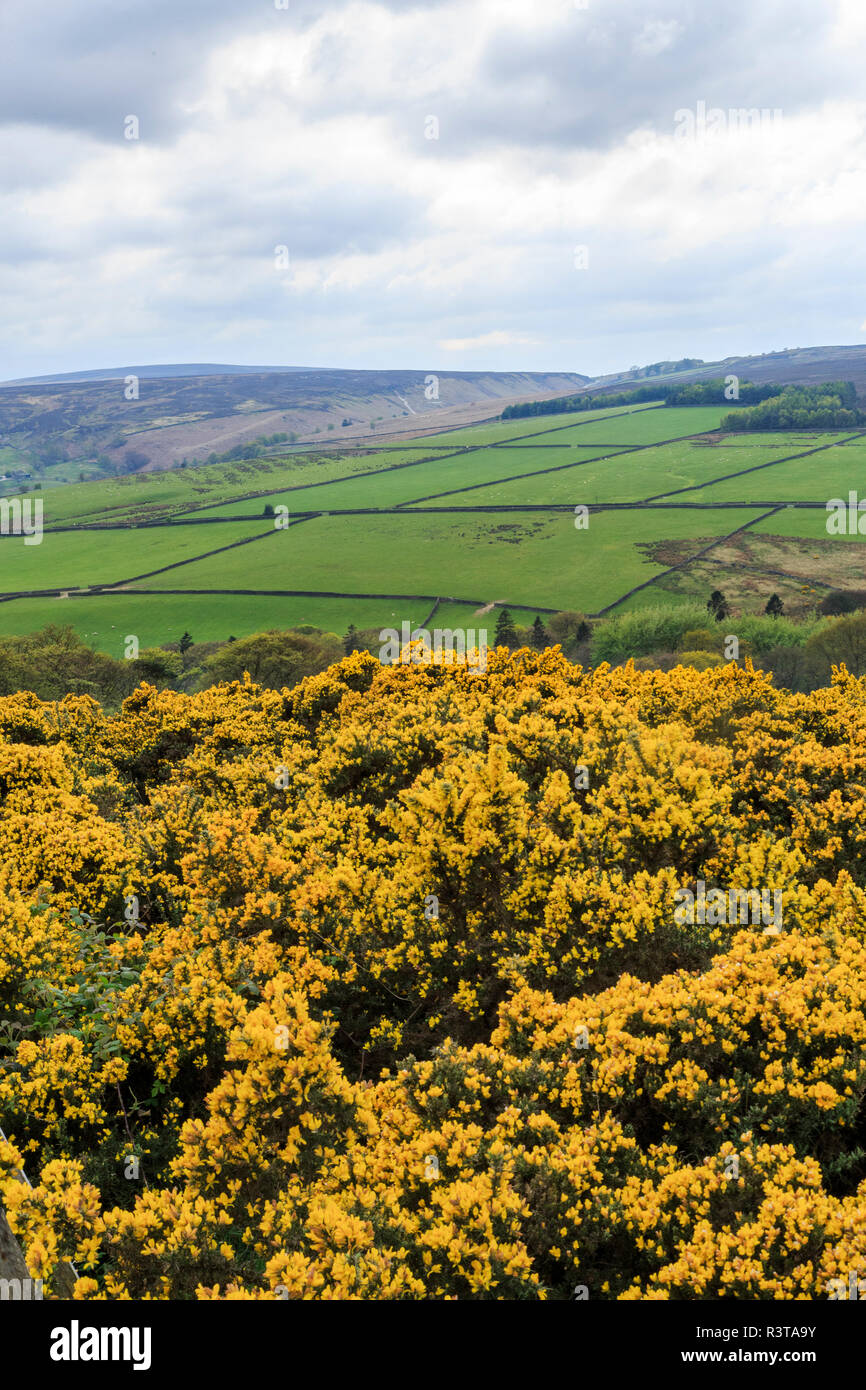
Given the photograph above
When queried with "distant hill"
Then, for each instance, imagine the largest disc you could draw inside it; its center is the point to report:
(798, 366)
(61, 428)
(166, 369)
(86, 425)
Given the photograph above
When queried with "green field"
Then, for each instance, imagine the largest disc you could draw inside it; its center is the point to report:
(660, 470)
(528, 558)
(66, 560)
(193, 488)
(809, 522)
(105, 621)
(497, 430)
(425, 480)
(643, 427)
(362, 549)
(813, 479)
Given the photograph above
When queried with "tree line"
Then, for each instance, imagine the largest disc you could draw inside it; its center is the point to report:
(55, 662)
(713, 392)
(831, 405)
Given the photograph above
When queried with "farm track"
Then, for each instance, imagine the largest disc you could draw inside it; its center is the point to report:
(656, 502)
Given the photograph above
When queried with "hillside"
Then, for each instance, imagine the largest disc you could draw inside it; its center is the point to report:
(448, 528)
(62, 429)
(149, 370)
(798, 366)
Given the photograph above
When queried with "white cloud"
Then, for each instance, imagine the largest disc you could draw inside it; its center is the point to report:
(496, 339)
(657, 35)
(306, 128)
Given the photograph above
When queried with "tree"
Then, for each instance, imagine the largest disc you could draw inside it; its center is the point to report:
(774, 606)
(539, 636)
(506, 635)
(569, 629)
(133, 460)
(351, 642)
(185, 643)
(268, 511)
(157, 666)
(843, 641)
(273, 659)
(718, 605)
(840, 601)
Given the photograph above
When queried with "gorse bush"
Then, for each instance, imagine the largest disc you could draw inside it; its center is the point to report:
(375, 988)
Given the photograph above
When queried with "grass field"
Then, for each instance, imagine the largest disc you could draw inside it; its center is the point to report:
(104, 622)
(352, 560)
(401, 486)
(642, 427)
(520, 558)
(812, 479)
(66, 560)
(497, 430)
(809, 522)
(626, 477)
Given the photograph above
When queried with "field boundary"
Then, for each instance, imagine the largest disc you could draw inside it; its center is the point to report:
(756, 468)
(683, 564)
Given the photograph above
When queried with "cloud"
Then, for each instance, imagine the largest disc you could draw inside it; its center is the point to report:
(309, 128)
(656, 35)
(496, 339)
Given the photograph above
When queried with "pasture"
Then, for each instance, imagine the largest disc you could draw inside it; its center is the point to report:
(390, 532)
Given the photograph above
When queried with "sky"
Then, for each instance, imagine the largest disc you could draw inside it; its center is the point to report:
(538, 185)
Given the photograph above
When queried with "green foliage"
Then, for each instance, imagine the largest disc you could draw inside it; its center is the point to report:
(568, 629)
(763, 633)
(841, 601)
(835, 643)
(55, 662)
(830, 405)
(700, 639)
(718, 606)
(693, 393)
(157, 666)
(643, 631)
(275, 659)
(506, 633)
(701, 660)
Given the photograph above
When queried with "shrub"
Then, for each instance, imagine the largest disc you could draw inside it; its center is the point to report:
(700, 639)
(385, 1002)
(643, 631)
(701, 660)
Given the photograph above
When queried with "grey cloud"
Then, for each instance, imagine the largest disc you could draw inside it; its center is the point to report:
(589, 84)
(86, 65)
